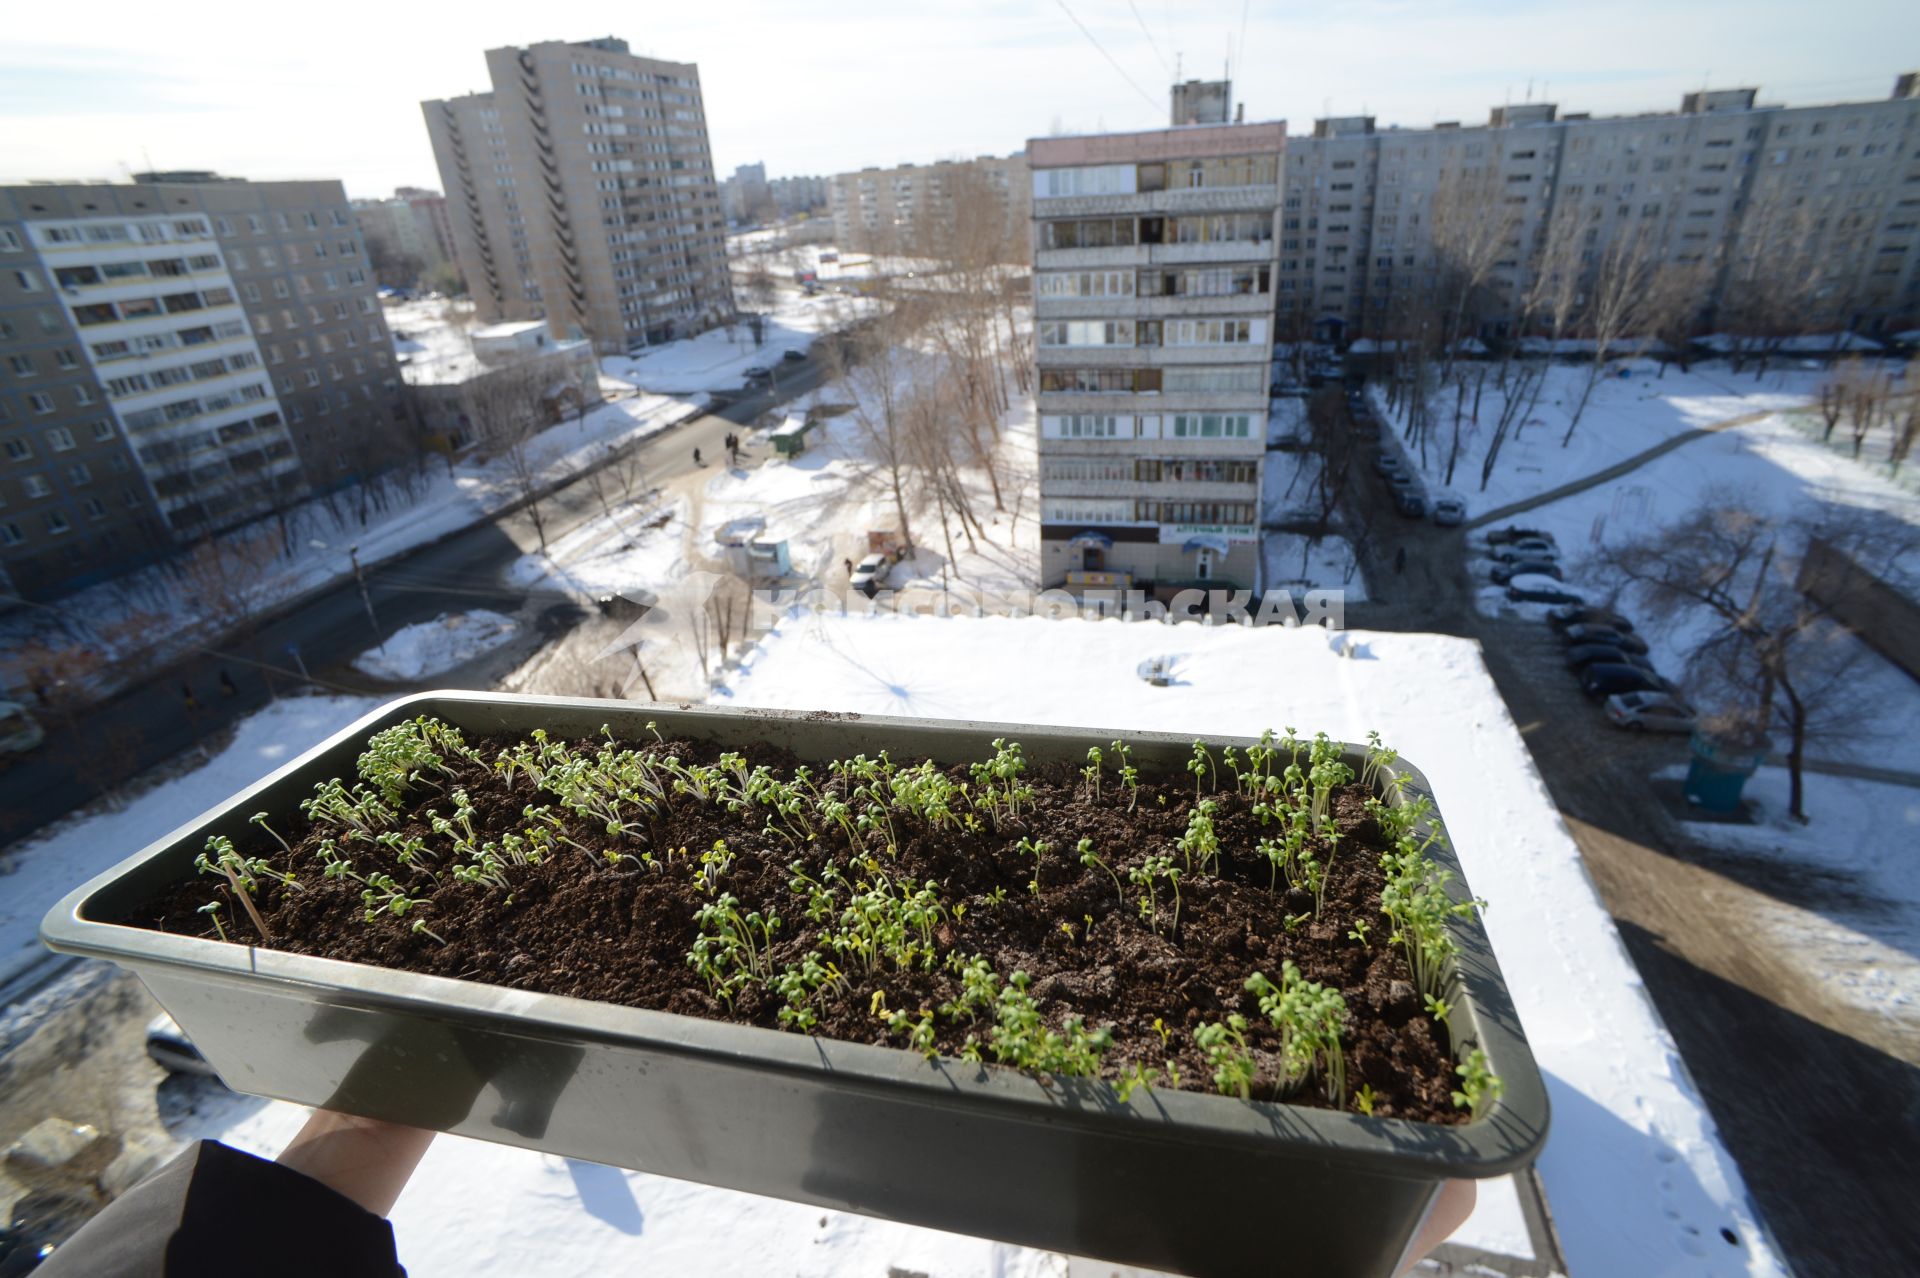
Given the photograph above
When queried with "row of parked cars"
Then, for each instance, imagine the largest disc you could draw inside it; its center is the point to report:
(1408, 499)
(1602, 650)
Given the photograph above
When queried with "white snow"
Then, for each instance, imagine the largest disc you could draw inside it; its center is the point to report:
(1625, 416)
(1328, 564)
(433, 647)
(1858, 920)
(718, 359)
(1635, 1173)
(37, 873)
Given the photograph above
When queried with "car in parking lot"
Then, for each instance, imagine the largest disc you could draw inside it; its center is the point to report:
(1578, 615)
(1400, 481)
(793, 356)
(1541, 590)
(1504, 573)
(1606, 679)
(1387, 463)
(1449, 512)
(757, 372)
(1621, 639)
(1582, 655)
(1409, 503)
(1649, 712)
(870, 574)
(1514, 551)
(1501, 536)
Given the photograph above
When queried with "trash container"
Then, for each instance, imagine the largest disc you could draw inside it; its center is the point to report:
(1720, 770)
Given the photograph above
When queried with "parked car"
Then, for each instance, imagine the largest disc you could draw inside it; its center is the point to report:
(1504, 573)
(1533, 548)
(1604, 634)
(792, 356)
(1572, 615)
(757, 372)
(1401, 482)
(1649, 712)
(1542, 590)
(1606, 679)
(870, 574)
(1409, 503)
(1449, 512)
(1582, 655)
(1501, 536)
(1387, 463)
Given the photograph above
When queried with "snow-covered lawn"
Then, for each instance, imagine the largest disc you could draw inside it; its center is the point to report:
(719, 359)
(1858, 921)
(1635, 1174)
(1295, 562)
(433, 647)
(34, 875)
(1626, 415)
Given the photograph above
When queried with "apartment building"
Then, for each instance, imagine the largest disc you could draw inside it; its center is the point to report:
(581, 192)
(1356, 230)
(407, 236)
(1154, 262)
(890, 210)
(180, 356)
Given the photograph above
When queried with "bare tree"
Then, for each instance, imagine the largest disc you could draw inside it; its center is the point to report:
(874, 367)
(1676, 294)
(219, 579)
(1615, 295)
(509, 408)
(1773, 654)
(1473, 229)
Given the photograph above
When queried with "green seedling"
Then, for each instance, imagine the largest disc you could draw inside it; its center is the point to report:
(260, 819)
(1363, 1100)
(1225, 1046)
(1092, 860)
(1092, 773)
(1479, 1086)
(1309, 1017)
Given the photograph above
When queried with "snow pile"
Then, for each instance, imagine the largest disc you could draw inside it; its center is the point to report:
(718, 359)
(632, 551)
(1635, 1174)
(39, 872)
(433, 647)
(1296, 562)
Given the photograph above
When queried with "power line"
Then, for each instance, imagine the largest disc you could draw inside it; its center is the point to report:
(1151, 42)
(1108, 56)
(1240, 49)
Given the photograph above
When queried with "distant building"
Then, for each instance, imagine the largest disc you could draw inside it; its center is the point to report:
(1154, 262)
(407, 236)
(889, 210)
(180, 356)
(745, 195)
(1202, 102)
(451, 372)
(1720, 178)
(581, 192)
(793, 195)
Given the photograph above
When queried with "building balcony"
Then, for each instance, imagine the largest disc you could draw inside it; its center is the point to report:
(1153, 307)
(1254, 402)
(1150, 356)
(1237, 199)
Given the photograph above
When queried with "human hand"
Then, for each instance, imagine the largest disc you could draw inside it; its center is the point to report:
(1450, 1211)
(363, 1159)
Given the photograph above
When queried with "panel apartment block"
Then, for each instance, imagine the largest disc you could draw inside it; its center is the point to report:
(182, 356)
(581, 191)
(893, 210)
(1154, 263)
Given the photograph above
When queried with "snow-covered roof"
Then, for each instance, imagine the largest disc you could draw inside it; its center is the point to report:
(1635, 1174)
(508, 328)
(1804, 344)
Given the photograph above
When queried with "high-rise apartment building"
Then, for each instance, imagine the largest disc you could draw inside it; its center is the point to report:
(893, 210)
(407, 236)
(180, 356)
(1154, 263)
(1723, 177)
(581, 191)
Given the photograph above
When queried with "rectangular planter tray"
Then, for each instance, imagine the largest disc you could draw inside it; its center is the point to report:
(1180, 1181)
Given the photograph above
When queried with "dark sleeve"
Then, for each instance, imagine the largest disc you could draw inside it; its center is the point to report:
(219, 1213)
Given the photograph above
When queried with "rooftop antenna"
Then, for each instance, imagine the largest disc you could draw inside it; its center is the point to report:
(1529, 88)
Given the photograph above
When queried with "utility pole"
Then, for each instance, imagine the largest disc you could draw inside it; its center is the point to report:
(360, 580)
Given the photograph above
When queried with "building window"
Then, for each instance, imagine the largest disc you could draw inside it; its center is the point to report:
(10, 535)
(37, 486)
(19, 449)
(40, 402)
(56, 522)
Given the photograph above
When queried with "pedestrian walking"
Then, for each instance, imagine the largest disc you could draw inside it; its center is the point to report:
(1400, 560)
(696, 458)
(186, 695)
(849, 564)
(227, 686)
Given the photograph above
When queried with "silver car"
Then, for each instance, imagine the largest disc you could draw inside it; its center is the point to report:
(1649, 712)
(1449, 512)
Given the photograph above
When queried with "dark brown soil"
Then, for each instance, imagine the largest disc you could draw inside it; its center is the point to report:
(574, 926)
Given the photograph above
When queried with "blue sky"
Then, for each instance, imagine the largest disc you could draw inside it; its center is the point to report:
(831, 85)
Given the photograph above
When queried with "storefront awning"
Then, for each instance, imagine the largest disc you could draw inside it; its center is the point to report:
(1206, 541)
(1091, 538)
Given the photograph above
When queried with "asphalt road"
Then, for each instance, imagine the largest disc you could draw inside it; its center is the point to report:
(155, 722)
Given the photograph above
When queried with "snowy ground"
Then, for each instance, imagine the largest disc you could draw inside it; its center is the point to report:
(37, 873)
(1856, 911)
(718, 359)
(1292, 561)
(1625, 416)
(433, 647)
(1635, 1174)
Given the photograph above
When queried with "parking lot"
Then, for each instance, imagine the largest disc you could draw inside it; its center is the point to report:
(1752, 1024)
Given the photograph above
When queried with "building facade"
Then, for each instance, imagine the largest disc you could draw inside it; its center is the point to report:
(180, 357)
(407, 237)
(1722, 179)
(1154, 263)
(893, 210)
(581, 191)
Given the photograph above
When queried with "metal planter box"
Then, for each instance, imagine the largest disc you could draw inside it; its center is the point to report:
(1179, 1181)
